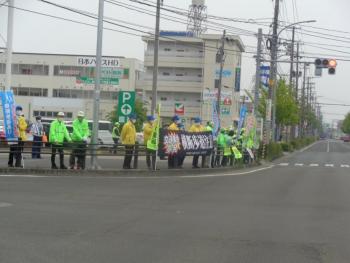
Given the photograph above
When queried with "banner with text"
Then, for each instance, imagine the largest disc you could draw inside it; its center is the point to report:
(9, 112)
(185, 143)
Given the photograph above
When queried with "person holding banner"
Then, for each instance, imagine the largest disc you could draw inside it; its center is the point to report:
(173, 160)
(16, 149)
(147, 134)
(197, 127)
(128, 137)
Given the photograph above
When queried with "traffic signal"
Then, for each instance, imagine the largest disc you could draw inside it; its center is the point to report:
(321, 63)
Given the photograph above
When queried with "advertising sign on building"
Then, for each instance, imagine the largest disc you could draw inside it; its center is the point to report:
(226, 73)
(91, 62)
(126, 105)
(211, 95)
(9, 112)
(179, 108)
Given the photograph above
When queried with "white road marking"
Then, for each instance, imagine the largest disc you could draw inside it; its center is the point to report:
(299, 164)
(314, 165)
(2, 204)
(329, 165)
(283, 164)
(145, 177)
(328, 146)
(345, 166)
(308, 147)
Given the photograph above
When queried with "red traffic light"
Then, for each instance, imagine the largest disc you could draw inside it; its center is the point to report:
(332, 63)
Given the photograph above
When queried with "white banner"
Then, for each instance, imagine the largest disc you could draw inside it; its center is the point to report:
(212, 95)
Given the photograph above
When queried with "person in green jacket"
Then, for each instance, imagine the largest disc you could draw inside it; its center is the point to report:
(116, 136)
(221, 142)
(80, 136)
(58, 133)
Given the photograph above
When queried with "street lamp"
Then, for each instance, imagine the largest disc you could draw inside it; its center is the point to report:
(274, 71)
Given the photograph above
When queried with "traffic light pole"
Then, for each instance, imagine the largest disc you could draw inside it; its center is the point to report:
(271, 129)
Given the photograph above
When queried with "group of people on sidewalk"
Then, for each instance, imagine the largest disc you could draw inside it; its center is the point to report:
(227, 141)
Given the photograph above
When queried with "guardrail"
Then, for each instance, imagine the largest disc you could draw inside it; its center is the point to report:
(215, 159)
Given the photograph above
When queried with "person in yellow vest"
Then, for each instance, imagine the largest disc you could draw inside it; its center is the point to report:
(147, 134)
(196, 127)
(173, 160)
(16, 148)
(128, 137)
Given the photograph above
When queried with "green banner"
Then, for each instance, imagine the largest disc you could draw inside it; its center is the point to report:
(91, 81)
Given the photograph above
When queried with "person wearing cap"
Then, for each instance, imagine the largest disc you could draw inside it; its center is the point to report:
(37, 130)
(16, 148)
(174, 161)
(128, 137)
(116, 135)
(58, 133)
(147, 134)
(80, 136)
(197, 127)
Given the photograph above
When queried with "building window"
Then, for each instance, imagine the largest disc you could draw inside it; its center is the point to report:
(2, 68)
(180, 50)
(30, 69)
(167, 49)
(166, 74)
(73, 71)
(34, 92)
(51, 114)
(163, 98)
(179, 75)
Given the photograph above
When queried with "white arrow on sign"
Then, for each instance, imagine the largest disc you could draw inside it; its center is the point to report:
(126, 109)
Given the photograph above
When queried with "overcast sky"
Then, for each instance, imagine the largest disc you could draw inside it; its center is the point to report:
(35, 33)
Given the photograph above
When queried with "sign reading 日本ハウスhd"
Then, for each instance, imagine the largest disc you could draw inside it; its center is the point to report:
(91, 62)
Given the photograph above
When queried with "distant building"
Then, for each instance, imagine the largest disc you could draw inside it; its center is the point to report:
(188, 75)
(45, 84)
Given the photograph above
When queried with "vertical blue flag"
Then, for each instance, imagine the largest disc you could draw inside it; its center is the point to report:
(10, 120)
(242, 115)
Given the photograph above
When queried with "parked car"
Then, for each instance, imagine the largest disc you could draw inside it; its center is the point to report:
(345, 138)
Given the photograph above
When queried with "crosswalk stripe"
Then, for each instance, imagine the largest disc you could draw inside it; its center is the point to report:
(329, 165)
(314, 165)
(299, 164)
(345, 166)
(283, 164)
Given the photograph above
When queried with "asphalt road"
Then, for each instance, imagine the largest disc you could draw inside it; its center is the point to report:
(294, 212)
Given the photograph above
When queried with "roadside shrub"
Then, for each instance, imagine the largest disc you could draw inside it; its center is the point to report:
(287, 147)
(274, 151)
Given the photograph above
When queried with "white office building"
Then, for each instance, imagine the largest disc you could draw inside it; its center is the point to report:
(45, 84)
(188, 75)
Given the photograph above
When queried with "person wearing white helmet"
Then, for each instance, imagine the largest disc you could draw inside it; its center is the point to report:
(58, 134)
(80, 135)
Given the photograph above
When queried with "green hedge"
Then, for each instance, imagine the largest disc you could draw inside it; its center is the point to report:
(275, 150)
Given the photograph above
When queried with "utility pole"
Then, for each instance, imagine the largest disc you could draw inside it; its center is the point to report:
(9, 45)
(303, 102)
(155, 61)
(257, 73)
(292, 59)
(272, 90)
(97, 91)
(296, 130)
(222, 59)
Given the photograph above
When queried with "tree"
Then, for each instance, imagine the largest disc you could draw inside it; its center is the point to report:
(287, 112)
(140, 111)
(346, 124)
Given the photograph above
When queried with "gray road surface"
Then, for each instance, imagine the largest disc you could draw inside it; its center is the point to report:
(294, 212)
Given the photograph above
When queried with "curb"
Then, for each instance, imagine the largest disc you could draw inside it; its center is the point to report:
(122, 173)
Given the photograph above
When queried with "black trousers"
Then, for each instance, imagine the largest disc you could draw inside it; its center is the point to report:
(16, 153)
(78, 152)
(151, 159)
(129, 152)
(57, 148)
(36, 149)
(116, 141)
(195, 161)
(173, 161)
